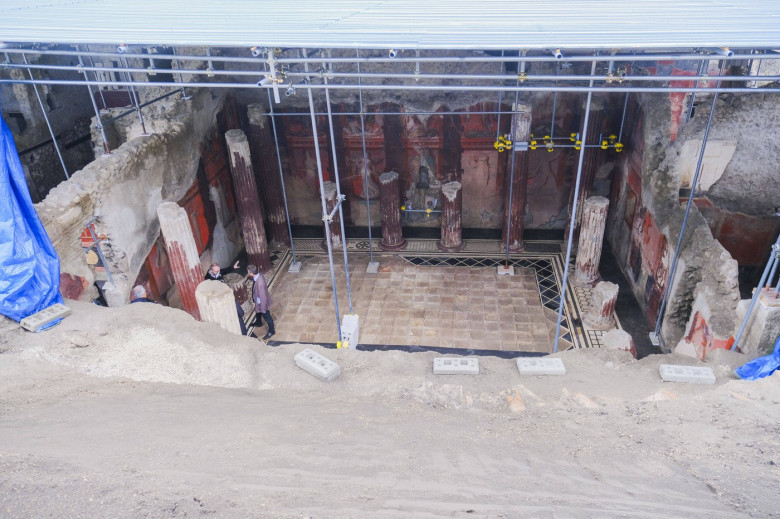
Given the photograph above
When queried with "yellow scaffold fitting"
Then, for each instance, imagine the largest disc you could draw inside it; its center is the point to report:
(521, 77)
(612, 138)
(403, 208)
(428, 213)
(548, 143)
(503, 143)
(618, 147)
(533, 144)
(578, 145)
(342, 344)
(604, 144)
(573, 137)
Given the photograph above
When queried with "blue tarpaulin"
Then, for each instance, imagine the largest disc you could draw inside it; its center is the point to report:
(762, 366)
(29, 266)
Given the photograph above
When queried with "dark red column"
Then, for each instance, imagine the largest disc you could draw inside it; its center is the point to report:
(590, 163)
(390, 206)
(334, 226)
(521, 123)
(182, 254)
(266, 166)
(248, 200)
(451, 216)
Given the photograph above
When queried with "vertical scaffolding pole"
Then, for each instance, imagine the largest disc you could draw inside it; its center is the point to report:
(98, 119)
(773, 259)
(295, 266)
(46, 118)
(655, 337)
(365, 165)
(325, 215)
(511, 172)
(573, 215)
(339, 199)
(134, 96)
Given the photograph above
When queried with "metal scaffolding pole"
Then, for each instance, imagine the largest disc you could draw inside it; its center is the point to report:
(135, 100)
(511, 179)
(571, 223)
(655, 336)
(365, 170)
(325, 215)
(46, 118)
(339, 200)
(295, 266)
(98, 119)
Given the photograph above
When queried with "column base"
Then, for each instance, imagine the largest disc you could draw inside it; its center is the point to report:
(444, 248)
(514, 249)
(580, 282)
(393, 247)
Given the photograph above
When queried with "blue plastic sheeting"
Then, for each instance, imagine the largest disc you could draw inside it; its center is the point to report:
(762, 366)
(29, 266)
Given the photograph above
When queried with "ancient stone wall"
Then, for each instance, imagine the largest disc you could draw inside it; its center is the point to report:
(120, 193)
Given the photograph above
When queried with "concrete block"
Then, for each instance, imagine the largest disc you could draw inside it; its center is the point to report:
(349, 330)
(506, 271)
(690, 374)
(47, 315)
(373, 267)
(321, 367)
(456, 366)
(540, 366)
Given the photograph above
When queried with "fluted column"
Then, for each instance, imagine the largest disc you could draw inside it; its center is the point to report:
(594, 219)
(334, 226)
(266, 167)
(451, 217)
(217, 305)
(182, 253)
(249, 208)
(390, 206)
(591, 161)
(521, 123)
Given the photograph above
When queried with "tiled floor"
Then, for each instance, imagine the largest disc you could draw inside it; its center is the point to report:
(405, 304)
(424, 297)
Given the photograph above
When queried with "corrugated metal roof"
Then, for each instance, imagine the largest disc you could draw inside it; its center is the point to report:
(408, 24)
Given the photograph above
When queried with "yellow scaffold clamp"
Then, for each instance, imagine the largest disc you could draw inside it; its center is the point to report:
(612, 139)
(342, 344)
(548, 143)
(428, 213)
(618, 147)
(522, 77)
(533, 144)
(604, 144)
(503, 143)
(578, 145)
(574, 136)
(403, 208)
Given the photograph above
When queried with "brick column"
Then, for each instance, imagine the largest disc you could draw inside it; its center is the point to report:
(521, 123)
(217, 305)
(267, 169)
(600, 315)
(390, 208)
(249, 208)
(594, 219)
(334, 226)
(182, 253)
(451, 215)
(590, 163)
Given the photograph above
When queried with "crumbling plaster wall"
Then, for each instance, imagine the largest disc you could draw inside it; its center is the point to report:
(121, 191)
(702, 260)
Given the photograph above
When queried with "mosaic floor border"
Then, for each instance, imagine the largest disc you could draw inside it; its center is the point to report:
(546, 258)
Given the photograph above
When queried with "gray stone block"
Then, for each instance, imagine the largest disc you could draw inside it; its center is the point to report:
(540, 366)
(35, 321)
(456, 366)
(321, 367)
(689, 374)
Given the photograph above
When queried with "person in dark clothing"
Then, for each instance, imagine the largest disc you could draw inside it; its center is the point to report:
(139, 295)
(216, 273)
(262, 301)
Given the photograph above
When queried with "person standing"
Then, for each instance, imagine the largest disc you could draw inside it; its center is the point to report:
(262, 300)
(139, 295)
(215, 273)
